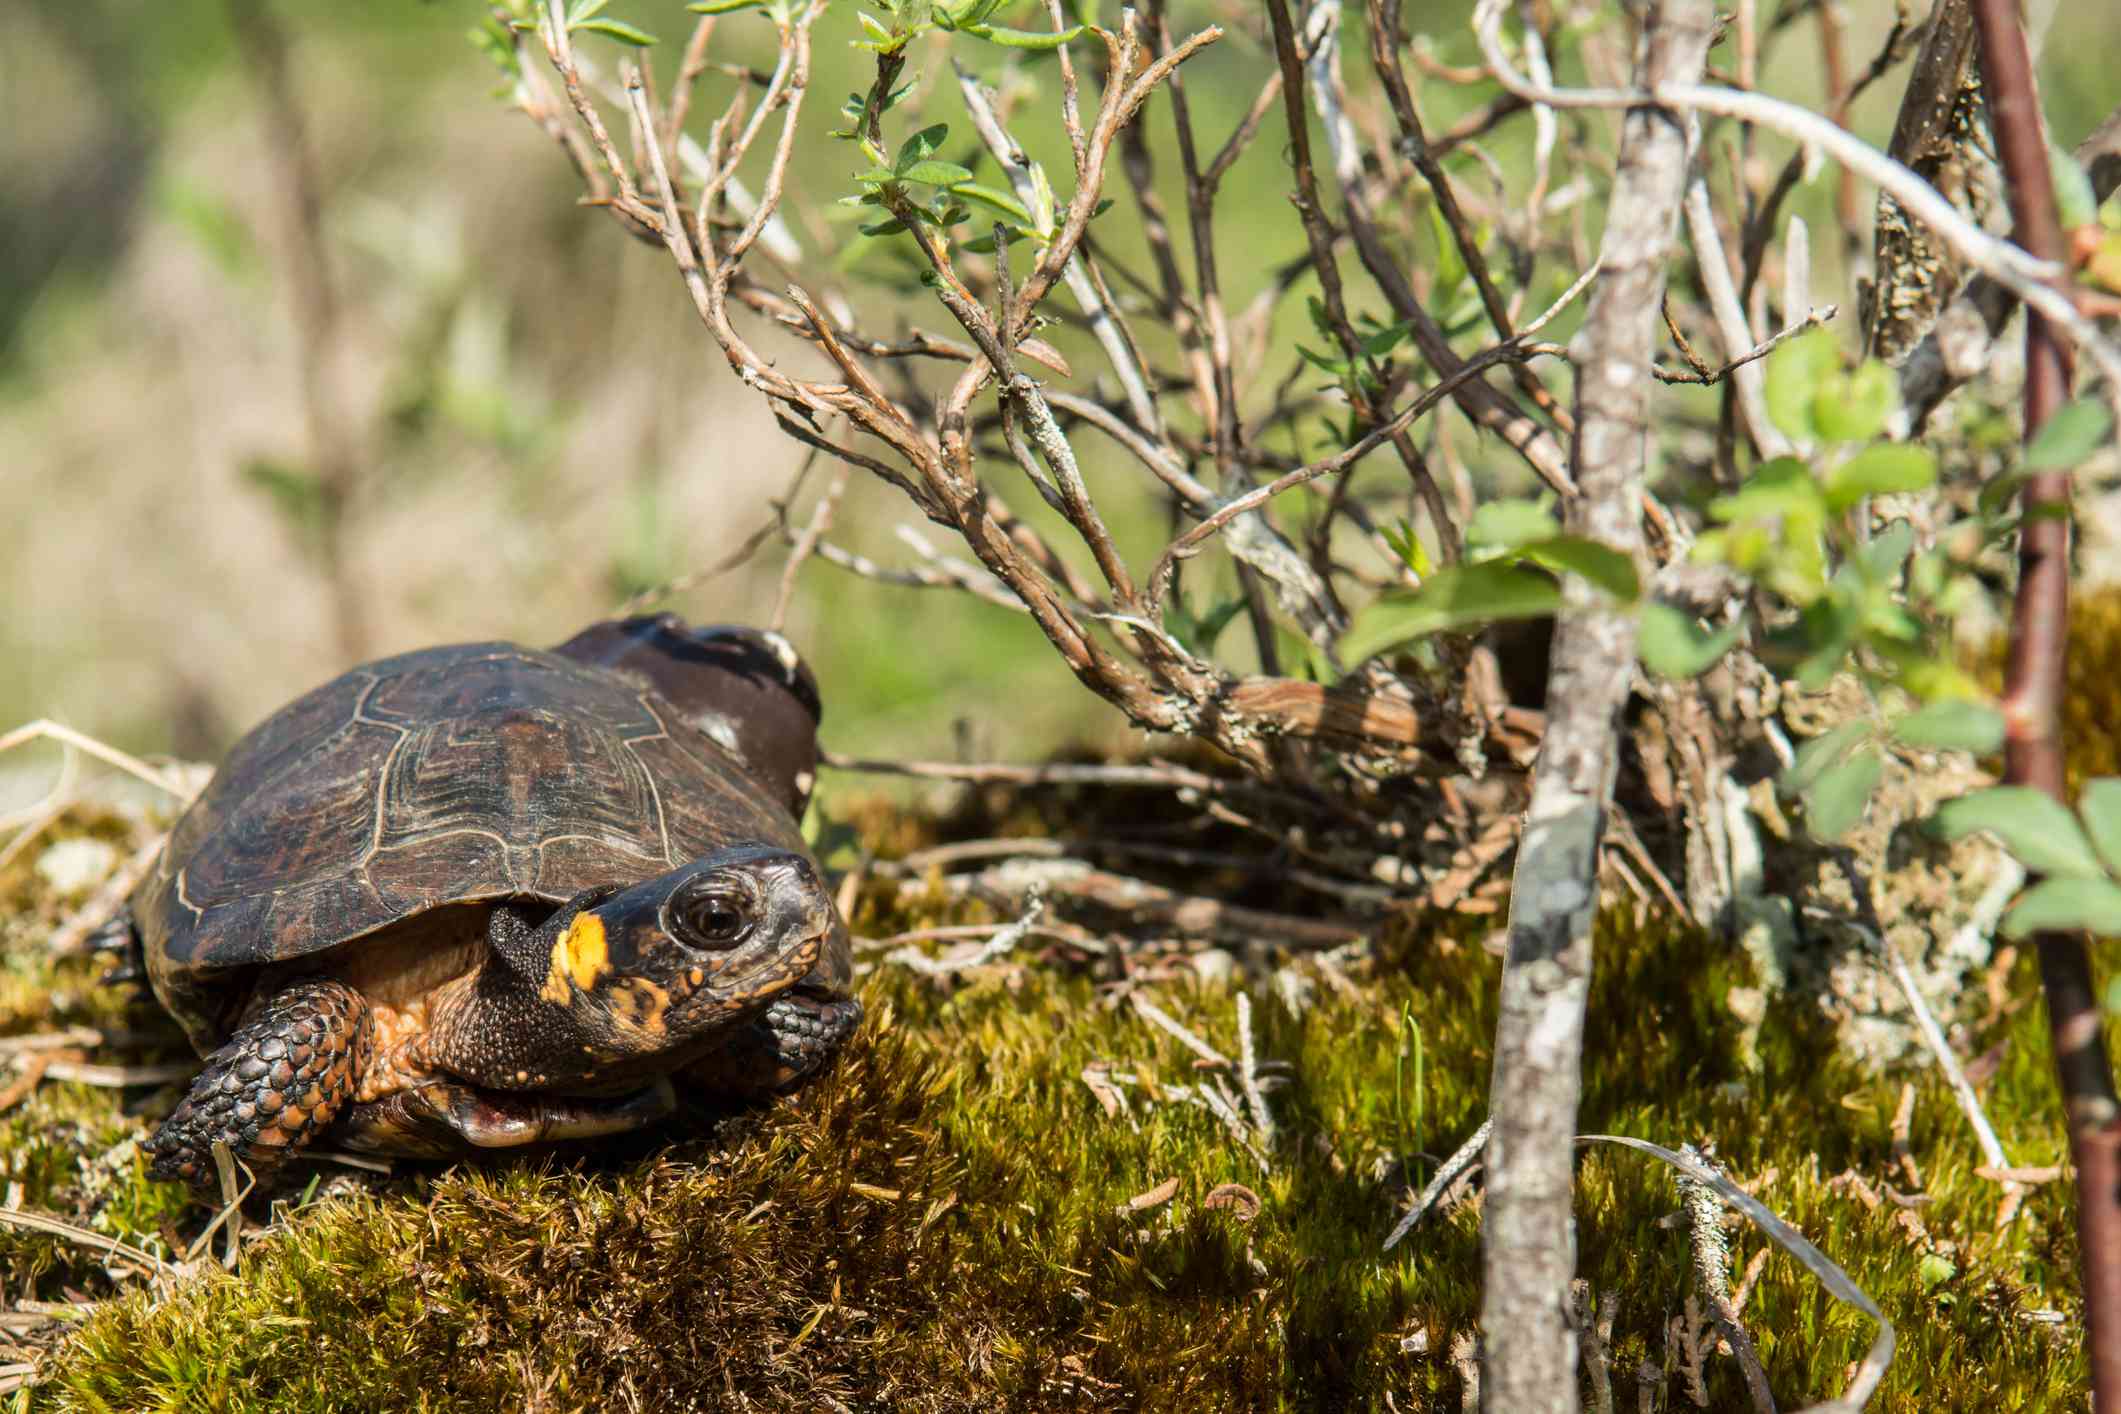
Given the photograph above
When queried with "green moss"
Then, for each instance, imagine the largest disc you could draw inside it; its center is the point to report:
(2091, 702)
(945, 1224)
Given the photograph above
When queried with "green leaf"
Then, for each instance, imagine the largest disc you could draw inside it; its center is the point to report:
(935, 174)
(1023, 38)
(1505, 525)
(1996, 494)
(1385, 340)
(1796, 370)
(1408, 546)
(1855, 406)
(724, 7)
(2061, 905)
(1887, 552)
(2076, 204)
(1673, 644)
(2033, 826)
(1819, 755)
(2067, 438)
(1780, 488)
(1953, 726)
(920, 147)
(1451, 598)
(1835, 803)
(621, 31)
(966, 15)
(1336, 366)
(999, 202)
(1878, 470)
(1602, 565)
(2100, 805)
(2113, 995)
(1450, 262)
(582, 10)
(885, 228)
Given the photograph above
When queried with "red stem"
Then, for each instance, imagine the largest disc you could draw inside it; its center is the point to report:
(2032, 705)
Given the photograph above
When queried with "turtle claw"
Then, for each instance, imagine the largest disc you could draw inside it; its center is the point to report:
(279, 1082)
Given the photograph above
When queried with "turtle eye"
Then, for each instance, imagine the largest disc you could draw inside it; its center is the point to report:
(716, 916)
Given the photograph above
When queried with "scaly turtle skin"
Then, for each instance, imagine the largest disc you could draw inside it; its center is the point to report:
(484, 895)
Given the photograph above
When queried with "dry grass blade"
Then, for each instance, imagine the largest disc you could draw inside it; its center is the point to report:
(97, 1241)
(44, 729)
(116, 1077)
(1874, 1364)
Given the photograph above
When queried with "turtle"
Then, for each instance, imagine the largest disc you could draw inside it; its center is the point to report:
(483, 896)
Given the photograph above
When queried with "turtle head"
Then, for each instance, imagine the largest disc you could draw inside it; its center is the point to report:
(663, 964)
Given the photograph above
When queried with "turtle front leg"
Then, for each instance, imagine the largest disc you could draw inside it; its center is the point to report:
(278, 1083)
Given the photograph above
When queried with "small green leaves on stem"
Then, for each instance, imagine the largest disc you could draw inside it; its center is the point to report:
(1673, 643)
(585, 17)
(2067, 438)
(1880, 469)
(1835, 803)
(2100, 805)
(1459, 597)
(1833, 775)
(2036, 828)
(1953, 725)
(2059, 904)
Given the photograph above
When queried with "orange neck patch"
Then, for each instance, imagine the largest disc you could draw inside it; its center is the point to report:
(580, 957)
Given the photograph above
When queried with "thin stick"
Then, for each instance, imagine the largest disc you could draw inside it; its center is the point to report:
(1161, 1019)
(2025, 275)
(1248, 1072)
(2034, 682)
(806, 544)
(1879, 1358)
(1933, 1036)
(1448, 1173)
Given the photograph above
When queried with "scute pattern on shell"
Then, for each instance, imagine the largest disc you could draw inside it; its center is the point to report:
(449, 775)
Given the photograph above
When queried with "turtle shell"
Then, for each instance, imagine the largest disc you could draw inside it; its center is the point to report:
(452, 775)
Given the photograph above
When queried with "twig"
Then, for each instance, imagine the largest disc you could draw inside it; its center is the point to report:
(1447, 1173)
(319, 338)
(1002, 943)
(69, 937)
(2034, 681)
(1871, 1371)
(2025, 275)
(1749, 379)
(1248, 1072)
(1162, 1020)
(1528, 1238)
(1941, 1049)
(1812, 320)
(1712, 1267)
(806, 544)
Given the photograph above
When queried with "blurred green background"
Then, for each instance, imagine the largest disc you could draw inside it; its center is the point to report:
(543, 426)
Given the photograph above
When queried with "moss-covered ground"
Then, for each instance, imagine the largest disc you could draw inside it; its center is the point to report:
(959, 1219)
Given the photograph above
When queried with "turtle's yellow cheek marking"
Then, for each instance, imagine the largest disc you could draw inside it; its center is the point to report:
(579, 957)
